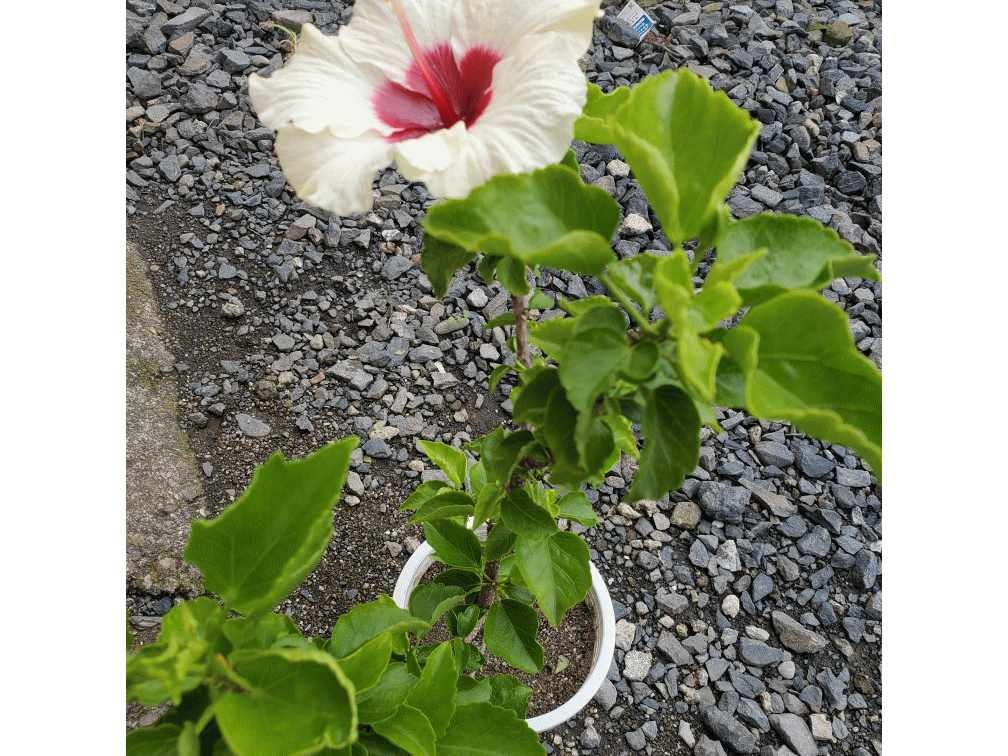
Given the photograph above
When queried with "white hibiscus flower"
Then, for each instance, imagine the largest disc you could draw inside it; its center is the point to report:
(453, 91)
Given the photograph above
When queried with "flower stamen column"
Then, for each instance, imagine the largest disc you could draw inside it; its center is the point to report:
(434, 87)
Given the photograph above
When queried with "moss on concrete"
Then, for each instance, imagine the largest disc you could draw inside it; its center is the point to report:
(163, 488)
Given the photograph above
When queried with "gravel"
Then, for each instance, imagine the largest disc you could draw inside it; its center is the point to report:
(291, 327)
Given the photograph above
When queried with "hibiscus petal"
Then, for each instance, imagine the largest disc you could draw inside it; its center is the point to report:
(321, 87)
(502, 24)
(373, 36)
(331, 172)
(430, 156)
(528, 124)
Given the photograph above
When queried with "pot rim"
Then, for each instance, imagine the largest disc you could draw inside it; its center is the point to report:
(605, 634)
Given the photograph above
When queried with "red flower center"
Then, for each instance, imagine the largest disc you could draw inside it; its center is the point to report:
(439, 92)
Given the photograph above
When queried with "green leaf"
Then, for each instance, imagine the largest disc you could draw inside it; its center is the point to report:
(220, 749)
(593, 125)
(731, 382)
(365, 666)
(508, 580)
(699, 360)
(640, 362)
(177, 662)
(578, 307)
(375, 745)
(556, 571)
(422, 493)
(575, 506)
(671, 428)
(508, 693)
(467, 580)
(300, 702)
(299, 641)
(800, 254)
(634, 276)
(500, 540)
(529, 400)
(196, 706)
(355, 749)
(502, 451)
(482, 729)
(595, 444)
(589, 362)
(189, 741)
(691, 314)
(544, 497)
(444, 504)
(579, 252)
(498, 372)
(580, 443)
(258, 632)
(449, 459)
(381, 701)
(548, 217)
(711, 305)
(429, 601)
(550, 336)
(510, 633)
(504, 319)
(367, 621)
(622, 430)
(540, 300)
(440, 259)
(727, 270)
(687, 146)
(265, 544)
(487, 267)
(408, 729)
(465, 620)
(467, 657)
(513, 275)
(711, 231)
(477, 478)
(434, 692)
(698, 357)
(454, 544)
(473, 691)
(525, 518)
(159, 740)
(570, 160)
(487, 504)
(601, 314)
(801, 366)
(673, 283)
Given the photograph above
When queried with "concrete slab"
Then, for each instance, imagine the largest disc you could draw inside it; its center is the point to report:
(164, 492)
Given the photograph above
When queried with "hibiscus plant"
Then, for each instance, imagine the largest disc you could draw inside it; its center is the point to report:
(480, 100)
(241, 679)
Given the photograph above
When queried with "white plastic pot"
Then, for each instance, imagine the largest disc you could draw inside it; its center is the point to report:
(598, 602)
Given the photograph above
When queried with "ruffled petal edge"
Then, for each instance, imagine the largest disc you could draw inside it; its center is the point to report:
(320, 87)
(330, 172)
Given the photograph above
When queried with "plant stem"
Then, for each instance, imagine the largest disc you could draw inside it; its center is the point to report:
(488, 592)
(518, 303)
(475, 633)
